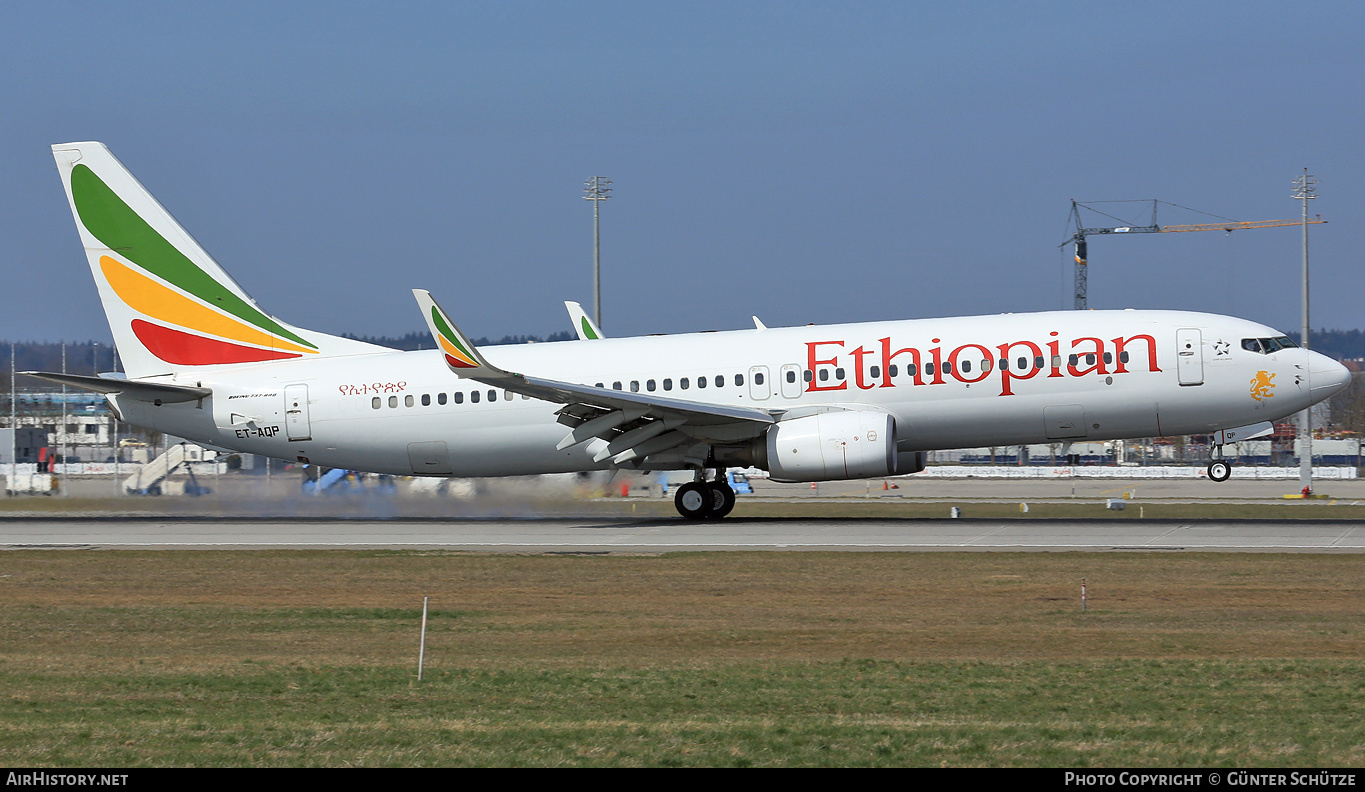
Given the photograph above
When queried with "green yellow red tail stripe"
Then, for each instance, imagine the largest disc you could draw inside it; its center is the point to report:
(195, 319)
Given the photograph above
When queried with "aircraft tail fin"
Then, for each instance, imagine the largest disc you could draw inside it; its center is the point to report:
(170, 305)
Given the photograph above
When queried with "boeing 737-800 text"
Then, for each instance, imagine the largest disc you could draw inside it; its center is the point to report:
(203, 361)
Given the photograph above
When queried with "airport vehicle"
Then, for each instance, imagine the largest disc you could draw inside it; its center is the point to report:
(203, 361)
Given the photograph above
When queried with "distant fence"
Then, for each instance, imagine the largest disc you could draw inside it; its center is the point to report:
(107, 468)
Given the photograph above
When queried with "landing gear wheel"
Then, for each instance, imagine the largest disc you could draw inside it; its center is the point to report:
(695, 500)
(723, 499)
(1219, 470)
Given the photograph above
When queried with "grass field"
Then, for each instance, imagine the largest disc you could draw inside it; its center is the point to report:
(309, 657)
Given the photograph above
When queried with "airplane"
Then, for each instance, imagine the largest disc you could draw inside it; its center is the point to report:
(809, 403)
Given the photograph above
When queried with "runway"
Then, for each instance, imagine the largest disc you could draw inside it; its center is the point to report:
(620, 535)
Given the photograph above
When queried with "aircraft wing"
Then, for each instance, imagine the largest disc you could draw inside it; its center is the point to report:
(155, 392)
(635, 424)
(582, 324)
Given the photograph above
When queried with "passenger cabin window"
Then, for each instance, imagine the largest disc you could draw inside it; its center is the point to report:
(739, 380)
(375, 402)
(668, 384)
(720, 380)
(893, 370)
(473, 397)
(441, 398)
(791, 376)
(649, 385)
(683, 383)
(807, 375)
(758, 378)
(876, 373)
(701, 382)
(839, 373)
(458, 396)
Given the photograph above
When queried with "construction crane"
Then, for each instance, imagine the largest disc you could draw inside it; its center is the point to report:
(1078, 239)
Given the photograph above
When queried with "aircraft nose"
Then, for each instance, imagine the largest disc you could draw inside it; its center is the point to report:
(1327, 375)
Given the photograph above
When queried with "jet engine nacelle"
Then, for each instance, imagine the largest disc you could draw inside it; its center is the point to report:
(848, 444)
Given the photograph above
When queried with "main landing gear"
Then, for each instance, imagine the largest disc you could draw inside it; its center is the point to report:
(705, 500)
(1219, 469)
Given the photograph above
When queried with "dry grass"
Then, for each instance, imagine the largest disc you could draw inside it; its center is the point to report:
(200, 610)
(307, 657)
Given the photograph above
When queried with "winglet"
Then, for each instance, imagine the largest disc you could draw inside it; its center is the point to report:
(461, 356)
(582, 325)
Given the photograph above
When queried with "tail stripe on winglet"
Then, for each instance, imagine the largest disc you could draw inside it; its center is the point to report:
(456, 354)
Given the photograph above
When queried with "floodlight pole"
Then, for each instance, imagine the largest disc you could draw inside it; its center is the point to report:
(1305, 189)
(597, 190)
(13, 424)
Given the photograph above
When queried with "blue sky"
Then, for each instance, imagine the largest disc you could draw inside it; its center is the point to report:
(806, 162)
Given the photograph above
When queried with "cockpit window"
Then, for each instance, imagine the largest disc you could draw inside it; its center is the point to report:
(1265, 346)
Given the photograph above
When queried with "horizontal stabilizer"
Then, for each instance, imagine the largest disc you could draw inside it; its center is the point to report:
(154, 392)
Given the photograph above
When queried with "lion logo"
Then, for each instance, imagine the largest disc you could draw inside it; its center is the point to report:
(1262, 385)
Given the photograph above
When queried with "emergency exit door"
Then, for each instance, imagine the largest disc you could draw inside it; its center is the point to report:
(296, 413)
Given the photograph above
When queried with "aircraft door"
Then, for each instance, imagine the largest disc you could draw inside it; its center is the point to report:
(791, 381)
(296, 413)
(760, 387)
(1189, 348)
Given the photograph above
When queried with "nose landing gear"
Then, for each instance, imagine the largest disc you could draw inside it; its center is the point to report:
(1219, 469)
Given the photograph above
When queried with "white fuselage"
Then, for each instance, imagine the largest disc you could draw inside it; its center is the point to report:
(941, 379)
